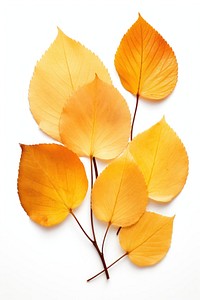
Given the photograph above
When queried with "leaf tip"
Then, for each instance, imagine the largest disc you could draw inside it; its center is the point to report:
(140, 18)
(163, 119)
(60, 33)
(22, 146)
(59, 30)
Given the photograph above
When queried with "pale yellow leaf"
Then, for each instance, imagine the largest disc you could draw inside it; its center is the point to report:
(119, 195)
(162, 159)
(148, 241)
(66, 66)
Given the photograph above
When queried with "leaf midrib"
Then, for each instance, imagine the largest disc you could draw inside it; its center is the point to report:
(141, 61)
(51, 182)
(118, 192)
(154, 158)
(149, 237)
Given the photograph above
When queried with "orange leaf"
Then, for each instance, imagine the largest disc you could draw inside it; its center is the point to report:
(66, 66)
(148, 241)
(51, 182)
(145, 62)
(119, 194)
(96, 121)
(163, 161)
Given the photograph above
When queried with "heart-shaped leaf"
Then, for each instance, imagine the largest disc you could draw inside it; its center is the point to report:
(119, 195)
(52, 182)
(96, 121)
(66, 66)
(162, 159)
(146, 64)
(147, 241)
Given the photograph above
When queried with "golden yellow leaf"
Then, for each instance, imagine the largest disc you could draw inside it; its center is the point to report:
(119, 195)
(146, 64)
(96, 121)
(66, 66)
(163, 161)
(148, 241)
(52, 181)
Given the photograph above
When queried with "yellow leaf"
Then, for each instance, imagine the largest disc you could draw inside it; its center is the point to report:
(66, 66)
(146, 64)
(119, 195)
(163, 161)
(51, 182)
(148, 241)
(96, 121)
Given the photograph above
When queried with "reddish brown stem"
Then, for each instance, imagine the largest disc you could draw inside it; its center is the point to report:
(91, 212)
(133, 121)
(104, 238)
(131, 136)
(94, 244)
(81, 227)
(101, 255)
(95, 167)
(93, 277)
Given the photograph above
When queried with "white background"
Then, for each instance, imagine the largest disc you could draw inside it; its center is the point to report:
(40, 264)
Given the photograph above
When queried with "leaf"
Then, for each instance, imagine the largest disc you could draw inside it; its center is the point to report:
(119, 194)
(96, 121)
(162, 159)
(148, 241)
(52, 182)
(66, 66)
(146, 64)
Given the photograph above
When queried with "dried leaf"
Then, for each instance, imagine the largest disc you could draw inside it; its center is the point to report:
(119, 194)
(96, 121)
(66, 66)
(163, 161)
(146, 64)
(52, 181)
(148, 241)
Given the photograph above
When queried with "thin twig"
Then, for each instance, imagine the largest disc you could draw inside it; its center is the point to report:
(102, 259)
(91, 278)
(91, 212)
(104, 238)
(133, 121)
(101, 255)
(118, 230)
(95, 167)
(81, 227)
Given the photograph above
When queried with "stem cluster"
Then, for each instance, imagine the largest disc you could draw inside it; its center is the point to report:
(93, 240)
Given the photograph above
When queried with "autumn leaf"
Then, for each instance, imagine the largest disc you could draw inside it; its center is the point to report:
(96, 121)
(119, 195)
(51, 182)
(162, 159)
(146, 64)
(66, 66)
(148, 241)
(73, 101)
